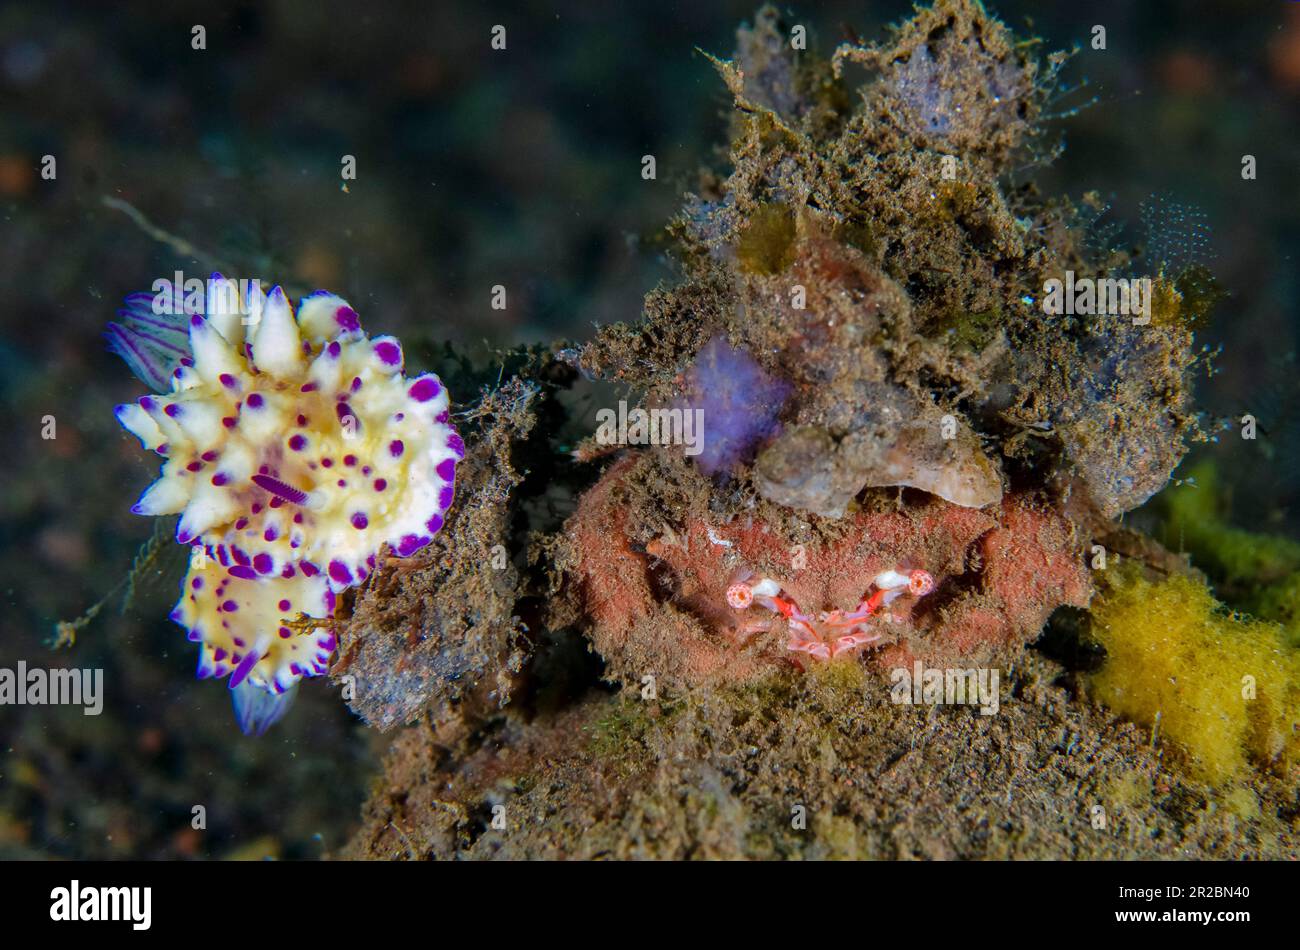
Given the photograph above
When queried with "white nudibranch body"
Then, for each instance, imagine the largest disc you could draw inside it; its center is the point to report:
(295, 449)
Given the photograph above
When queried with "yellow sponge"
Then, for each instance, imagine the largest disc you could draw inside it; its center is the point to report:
(1224, 687)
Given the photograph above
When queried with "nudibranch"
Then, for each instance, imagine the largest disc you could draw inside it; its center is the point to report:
(295, 448)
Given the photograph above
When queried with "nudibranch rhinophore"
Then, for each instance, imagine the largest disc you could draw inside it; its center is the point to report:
(295, 448)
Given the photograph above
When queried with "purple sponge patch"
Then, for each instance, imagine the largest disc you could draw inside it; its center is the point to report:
(739, 403)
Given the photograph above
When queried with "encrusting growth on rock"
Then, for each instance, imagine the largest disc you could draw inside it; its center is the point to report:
(906, 463)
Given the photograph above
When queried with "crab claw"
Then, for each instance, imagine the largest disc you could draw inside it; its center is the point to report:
(853, 640)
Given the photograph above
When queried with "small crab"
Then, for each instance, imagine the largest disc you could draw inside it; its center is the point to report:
(831, 633)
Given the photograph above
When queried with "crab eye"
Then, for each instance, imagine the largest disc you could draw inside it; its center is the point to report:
(740, 596)
(920, 583)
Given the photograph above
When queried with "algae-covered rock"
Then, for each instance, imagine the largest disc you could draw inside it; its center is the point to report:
(872, 257)
(425, 635)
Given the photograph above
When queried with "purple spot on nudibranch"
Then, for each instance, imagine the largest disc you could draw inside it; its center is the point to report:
(264, 563)
(220, 479)
(285, 605)
(356, 383)
(396, 448)
(445, 497)
(408, 545)
(310, 569)
(230, 606)
(380, 484)
(446, 470)
(360, 521)
(228, 422)
(434, 524)
(279, 489)
(349, 460)
(227, 380)
(388, 352)
(347, 318)
(255, 401)
(343, 410)
(298, 443)
(307, 388)
(334, 349)
(456, 444)
(339, 573)
(197, 583)
(270, 534)
(424, 389)
(219, 654)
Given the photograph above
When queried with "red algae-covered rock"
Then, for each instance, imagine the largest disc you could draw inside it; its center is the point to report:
(662, 603)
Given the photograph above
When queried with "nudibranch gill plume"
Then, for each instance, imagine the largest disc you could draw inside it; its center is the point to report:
(295, 448)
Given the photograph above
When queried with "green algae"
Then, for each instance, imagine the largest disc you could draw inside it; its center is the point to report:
(1256, 572)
